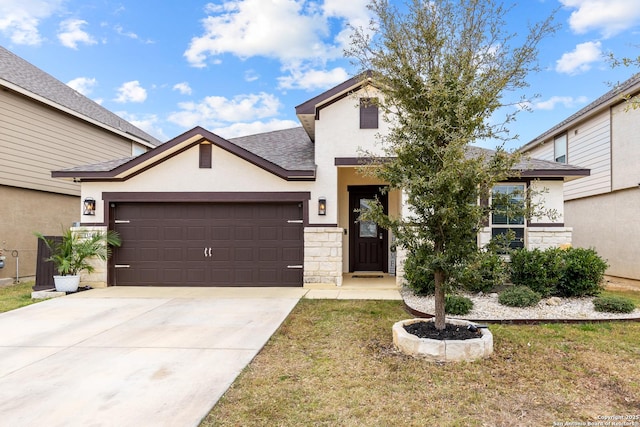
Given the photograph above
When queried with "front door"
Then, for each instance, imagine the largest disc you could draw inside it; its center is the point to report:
(367, 242)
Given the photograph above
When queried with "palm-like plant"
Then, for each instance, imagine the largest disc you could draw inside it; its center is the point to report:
(71, 254)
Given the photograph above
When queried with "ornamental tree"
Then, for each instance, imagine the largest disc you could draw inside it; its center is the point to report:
(442, 68)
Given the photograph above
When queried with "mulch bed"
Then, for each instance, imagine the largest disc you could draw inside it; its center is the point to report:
(451, 332)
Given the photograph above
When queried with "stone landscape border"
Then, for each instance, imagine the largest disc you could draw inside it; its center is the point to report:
(420, 314)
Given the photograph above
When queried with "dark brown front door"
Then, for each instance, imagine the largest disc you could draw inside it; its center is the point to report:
(367, 241)
(209, 244)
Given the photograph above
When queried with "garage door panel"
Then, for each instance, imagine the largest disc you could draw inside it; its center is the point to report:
(268, 233)
(243, 233)
(268, 254)
(200, 244)
(243, 254)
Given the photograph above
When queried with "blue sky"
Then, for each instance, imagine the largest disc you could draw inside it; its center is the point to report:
(239, 67)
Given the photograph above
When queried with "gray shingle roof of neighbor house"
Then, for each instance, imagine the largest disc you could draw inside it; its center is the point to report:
(20, 75)
(614, 96)
(536, 168)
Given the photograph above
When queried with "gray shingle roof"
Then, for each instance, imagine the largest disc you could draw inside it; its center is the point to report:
(544, 167)
(21, 73)
(291, 149)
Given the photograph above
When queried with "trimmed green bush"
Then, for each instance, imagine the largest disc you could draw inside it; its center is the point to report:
(457, 305)
(419, 278)
(572, 272)
(614, 304)
(538, 270)
(518, 296)
(582, 273)
(485, 273)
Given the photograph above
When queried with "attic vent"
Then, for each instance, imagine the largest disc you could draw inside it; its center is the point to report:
(368, 113)
(205, 156)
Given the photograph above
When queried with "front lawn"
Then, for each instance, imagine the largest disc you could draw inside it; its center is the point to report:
(332, 362)
(15, 296)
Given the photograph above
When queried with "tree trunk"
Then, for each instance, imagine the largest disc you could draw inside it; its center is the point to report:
(439, 312)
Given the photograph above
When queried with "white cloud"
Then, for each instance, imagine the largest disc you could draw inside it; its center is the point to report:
(580, 59)
(147, 122)
(183, 88)
(131, 92)
(609, 17)
(251, 75)
(84, 85)
(71, 33)
(19, 19)
(218, 111)
(287, 30)
(242, 129)
(130, 34)
(312, 79)
(565, 101)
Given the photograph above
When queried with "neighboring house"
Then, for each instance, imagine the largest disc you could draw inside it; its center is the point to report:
(603, 208)
(46, 125)
(274, 209)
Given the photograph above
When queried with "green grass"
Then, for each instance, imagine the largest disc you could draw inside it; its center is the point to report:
(332, 362)
(15, 296)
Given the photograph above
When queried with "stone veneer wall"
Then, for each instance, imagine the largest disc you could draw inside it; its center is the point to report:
(537, 237)
(548, 237)
(97, 279)
(323, 255)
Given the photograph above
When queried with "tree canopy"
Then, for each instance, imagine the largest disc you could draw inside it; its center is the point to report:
(442, 68)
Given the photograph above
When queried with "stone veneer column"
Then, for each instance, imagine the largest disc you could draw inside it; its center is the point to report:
(97, 279)
(323, 255)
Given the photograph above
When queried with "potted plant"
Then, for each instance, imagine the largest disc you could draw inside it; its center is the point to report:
(72, 253)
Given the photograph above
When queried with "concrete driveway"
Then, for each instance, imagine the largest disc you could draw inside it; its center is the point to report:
(132, 356)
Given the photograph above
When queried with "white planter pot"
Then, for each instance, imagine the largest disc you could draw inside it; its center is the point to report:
(66, 283)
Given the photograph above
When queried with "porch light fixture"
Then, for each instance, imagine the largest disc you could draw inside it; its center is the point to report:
(322, 206)
(89, 206)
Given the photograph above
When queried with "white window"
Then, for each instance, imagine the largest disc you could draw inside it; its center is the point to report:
(507, 203)
(560, 148)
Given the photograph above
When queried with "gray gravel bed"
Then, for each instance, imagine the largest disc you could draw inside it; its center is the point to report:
(486, 307)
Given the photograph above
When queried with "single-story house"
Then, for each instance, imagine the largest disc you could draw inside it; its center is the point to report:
(45, 125)
(603, 137)
(274, 209)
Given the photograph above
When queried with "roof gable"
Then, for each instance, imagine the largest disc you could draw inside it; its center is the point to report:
(284, 148)
(27, 79)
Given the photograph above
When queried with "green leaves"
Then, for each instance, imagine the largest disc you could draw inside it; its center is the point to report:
(71, 255)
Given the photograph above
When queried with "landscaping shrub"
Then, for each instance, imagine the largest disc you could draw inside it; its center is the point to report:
(486, 272)
(582, 273)
(538, 270)
(519, 296)
(572, 272)
(613, 304)
(418, 277)
(457, 305)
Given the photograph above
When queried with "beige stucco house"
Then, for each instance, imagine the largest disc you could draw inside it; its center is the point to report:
(274, 209)
(603, 208)
(45, 125)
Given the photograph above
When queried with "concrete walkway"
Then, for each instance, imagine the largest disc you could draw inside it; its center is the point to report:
(132, 356)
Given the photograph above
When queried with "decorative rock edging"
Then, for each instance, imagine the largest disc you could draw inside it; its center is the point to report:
(442, 350)
(420, 314)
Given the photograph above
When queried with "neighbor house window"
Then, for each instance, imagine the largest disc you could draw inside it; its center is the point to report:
(507, 203)
(205, 156)
(560, 148)
(368, 113)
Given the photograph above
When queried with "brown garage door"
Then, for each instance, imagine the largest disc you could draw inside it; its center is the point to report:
(209, 244)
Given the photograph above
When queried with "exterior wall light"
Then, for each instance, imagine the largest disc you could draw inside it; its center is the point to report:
(322, 206)
(89, 206)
